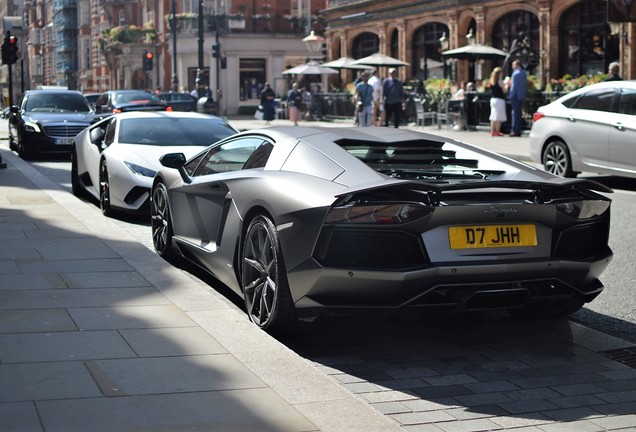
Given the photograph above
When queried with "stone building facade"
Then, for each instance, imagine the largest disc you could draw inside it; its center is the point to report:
(551, 37)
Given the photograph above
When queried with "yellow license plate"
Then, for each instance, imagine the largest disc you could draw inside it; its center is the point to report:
(490, 236)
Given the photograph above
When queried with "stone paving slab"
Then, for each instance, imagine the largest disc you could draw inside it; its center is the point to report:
(253, 410)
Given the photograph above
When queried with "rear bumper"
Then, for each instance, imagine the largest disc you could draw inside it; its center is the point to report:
(449, 288)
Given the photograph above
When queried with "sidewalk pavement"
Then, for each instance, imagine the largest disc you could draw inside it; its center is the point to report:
(97, 333)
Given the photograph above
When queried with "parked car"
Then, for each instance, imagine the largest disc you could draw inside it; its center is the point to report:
(591, 129)
(179, 101)
(118, 101)
(300, 221)
(46, 121)
(92, 98)
(115, 159)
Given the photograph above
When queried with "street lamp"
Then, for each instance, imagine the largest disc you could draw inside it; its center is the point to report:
(443, 43)
(313, 42)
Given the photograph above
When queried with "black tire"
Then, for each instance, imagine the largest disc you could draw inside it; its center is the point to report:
(266, 292)
(549, 309)
(160, 222)
(76, 188)
(104, 190)
(556, 159)
(25, 155)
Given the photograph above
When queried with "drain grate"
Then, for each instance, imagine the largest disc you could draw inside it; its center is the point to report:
(627, 356)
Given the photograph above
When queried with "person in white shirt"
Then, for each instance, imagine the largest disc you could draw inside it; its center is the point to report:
(378, 109)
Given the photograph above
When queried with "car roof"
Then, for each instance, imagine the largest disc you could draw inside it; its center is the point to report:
(53, 91)
(160, 114)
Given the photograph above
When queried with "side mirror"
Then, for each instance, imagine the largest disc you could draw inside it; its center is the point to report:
(176, 161)
(173, 160)
(97, 135)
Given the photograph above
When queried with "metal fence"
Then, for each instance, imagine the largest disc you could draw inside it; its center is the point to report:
(475, 107)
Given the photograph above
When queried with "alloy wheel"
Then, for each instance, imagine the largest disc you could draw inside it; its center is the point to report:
(160, 221)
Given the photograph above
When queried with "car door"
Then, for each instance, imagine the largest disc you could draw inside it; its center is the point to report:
(201, 207)
(622, 137)
(588, 126)
(94, 151)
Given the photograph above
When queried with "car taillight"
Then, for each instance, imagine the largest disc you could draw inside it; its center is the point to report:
(537, 116)
(116, 111)
(376, 213)
(168, 108)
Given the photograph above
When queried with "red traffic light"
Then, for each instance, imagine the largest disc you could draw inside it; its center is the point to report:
(149, 55)
(13, 40)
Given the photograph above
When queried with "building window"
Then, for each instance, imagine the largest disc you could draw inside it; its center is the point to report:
(364, 45)
(585, 45)
(122, 17)
(252, 77)
(518, 31)
(427, 58)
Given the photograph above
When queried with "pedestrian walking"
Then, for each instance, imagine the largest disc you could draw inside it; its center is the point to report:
(268, 104)
(294, 104)
(364, 101)
(517, 94)
(393, 93)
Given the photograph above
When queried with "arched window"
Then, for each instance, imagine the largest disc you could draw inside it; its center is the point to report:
(394, 44)
(518, 31)
(364, 45)
(585, 44)
(427, 58)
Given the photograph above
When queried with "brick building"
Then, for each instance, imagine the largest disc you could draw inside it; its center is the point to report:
(551, 37)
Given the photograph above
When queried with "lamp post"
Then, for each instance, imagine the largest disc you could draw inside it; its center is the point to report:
(173, 28)
(199, 80)
(443, 43)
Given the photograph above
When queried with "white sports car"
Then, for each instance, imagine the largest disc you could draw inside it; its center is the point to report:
(115, 159)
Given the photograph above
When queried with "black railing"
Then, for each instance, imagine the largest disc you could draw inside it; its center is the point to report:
(475, 107)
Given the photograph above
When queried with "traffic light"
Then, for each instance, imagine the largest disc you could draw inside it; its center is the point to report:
(10, 50)
(323, 51)
(147, 61)
(216, 50)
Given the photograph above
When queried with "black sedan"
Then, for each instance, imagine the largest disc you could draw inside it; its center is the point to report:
(118, 101)
(300, 221)
(179, 101)
(46, 121)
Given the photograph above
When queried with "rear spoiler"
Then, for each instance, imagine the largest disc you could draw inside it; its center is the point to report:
(579, 185)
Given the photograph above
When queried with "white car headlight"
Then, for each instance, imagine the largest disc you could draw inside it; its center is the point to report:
(139, 170)
(32, 127)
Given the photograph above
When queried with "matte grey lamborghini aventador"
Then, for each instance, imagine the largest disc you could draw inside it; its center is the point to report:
(303, 220)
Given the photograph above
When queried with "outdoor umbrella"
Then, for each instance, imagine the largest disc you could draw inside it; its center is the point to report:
(345, 63)
(378, 59)
(310, 68)
(475, 52)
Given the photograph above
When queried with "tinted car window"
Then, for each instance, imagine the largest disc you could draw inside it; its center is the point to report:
(230, 156)
(628, 102)
(597, 101)
(191, 166)
(56, 102)
(173, 131)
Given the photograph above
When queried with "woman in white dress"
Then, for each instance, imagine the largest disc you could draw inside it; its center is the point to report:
(497, 102)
